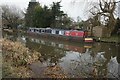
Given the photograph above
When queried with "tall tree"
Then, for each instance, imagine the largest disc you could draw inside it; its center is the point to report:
(29, 21)
(109, 8)
(38, 16)
(42, 17)
(56, 14)
(105, 10)
(47, 17)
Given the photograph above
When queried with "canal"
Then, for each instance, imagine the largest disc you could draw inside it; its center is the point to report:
(76, 60)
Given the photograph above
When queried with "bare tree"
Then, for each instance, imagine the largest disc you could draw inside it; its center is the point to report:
(105, 12)
(11, 16)
(107, 9)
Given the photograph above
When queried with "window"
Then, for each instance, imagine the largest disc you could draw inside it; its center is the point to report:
(40, 31)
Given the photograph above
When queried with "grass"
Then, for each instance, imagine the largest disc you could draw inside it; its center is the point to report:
(112, 39)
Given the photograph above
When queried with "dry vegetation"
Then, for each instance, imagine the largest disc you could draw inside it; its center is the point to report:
(54, 72)
(16, 58)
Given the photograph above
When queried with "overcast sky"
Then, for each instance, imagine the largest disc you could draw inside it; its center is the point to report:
(73, 8)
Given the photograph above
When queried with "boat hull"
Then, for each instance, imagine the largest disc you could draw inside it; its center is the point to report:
(61, 37)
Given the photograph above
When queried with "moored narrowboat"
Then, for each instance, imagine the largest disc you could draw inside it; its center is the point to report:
(71, 35)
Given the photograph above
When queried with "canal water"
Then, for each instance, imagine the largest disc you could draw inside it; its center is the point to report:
(77, 60)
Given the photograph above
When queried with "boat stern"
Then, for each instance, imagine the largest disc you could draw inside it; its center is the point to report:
(89, 40)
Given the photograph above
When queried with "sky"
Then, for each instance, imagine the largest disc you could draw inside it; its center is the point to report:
(73, 8)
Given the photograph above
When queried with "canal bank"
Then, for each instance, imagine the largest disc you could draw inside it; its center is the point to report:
(18, 62)
(112, 39)
(76, 60)
(16, 58)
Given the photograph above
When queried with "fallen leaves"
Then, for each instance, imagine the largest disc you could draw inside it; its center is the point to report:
(16, 57)
(54, 72)
(18, 52)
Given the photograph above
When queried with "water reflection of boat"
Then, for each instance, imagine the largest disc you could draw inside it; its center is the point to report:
(86, 46)
(80, 49)
(75, 48)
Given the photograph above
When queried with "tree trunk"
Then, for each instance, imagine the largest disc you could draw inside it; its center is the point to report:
(111, 24)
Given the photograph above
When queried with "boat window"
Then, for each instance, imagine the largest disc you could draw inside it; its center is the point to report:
(49, 31)
(57, 32)
(40, 30)
(34, 30)
(43, 30)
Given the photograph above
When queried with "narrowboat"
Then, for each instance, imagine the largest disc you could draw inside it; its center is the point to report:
(71, 35)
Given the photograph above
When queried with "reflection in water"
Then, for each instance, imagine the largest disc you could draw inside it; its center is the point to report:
(80, 49)
(76, 59)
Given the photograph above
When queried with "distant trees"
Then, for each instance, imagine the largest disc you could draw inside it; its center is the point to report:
(11, 16)
(38, 16)
(66, 22)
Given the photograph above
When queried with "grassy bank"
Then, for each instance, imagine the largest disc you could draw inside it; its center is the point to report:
(16, 58)
(112, 39)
